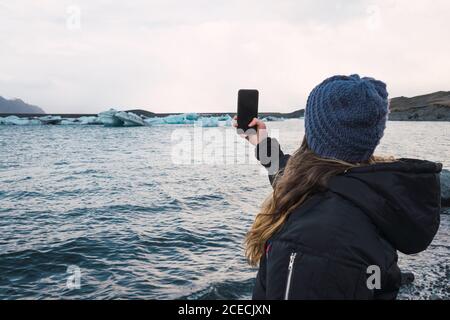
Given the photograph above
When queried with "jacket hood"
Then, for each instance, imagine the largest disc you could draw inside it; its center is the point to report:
(403, 200)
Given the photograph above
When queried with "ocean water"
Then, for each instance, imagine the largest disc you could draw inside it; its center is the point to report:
(119, 206)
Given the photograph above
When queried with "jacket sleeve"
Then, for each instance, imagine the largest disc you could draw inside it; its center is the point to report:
(269, 154)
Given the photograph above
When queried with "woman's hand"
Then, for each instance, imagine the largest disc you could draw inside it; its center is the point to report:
(259, 126)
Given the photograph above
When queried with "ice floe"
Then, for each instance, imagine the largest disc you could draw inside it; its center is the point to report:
(272, 118)
(114, 118)
(130, 119)
(16, 121)
(192, 119)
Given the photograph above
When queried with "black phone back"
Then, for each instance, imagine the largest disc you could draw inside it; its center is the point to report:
(247, 107)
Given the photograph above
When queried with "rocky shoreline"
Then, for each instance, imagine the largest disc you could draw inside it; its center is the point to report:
(430, 107)
(445, 189)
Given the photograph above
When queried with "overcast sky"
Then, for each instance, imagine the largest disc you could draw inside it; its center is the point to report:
(180, 56)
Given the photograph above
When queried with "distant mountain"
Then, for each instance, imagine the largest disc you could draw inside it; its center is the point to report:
(291, 115)
(430, 107)
(296, 114)
(18, 106)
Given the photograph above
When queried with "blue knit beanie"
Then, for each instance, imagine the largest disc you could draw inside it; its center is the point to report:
(345, 117)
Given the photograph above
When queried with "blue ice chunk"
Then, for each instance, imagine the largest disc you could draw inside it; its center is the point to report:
(177, 119)
(34, 122)
(207, 122)
(225, 117)
(154, 121)
(225, 120)
(89, 120)
(14, 120)
(191, 116)
(69, 122)
(272, 118)
(186, 118)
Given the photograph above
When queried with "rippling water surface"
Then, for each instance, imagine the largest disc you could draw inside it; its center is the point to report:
(112, 202)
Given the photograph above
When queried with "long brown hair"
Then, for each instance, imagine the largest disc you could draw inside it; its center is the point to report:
(304, 175)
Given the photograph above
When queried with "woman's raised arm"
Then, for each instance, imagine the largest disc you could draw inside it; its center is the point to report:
(268, 150)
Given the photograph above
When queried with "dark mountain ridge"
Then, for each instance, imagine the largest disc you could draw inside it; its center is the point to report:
(18, 106)
(430, 107)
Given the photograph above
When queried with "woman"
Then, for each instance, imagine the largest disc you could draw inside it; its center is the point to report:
(338, 214)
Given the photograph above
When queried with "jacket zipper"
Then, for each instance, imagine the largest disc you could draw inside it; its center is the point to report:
(289, 279)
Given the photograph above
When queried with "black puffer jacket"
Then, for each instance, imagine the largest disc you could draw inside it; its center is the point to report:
(324, 249)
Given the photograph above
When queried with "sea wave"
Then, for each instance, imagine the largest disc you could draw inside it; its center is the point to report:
(112, 203)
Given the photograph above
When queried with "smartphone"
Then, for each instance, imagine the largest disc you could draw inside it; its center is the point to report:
(247, 108)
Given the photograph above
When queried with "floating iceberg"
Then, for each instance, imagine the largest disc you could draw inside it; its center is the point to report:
(108, 118)
(50, 120)
(15, 120)
(191, 118)
(70, 122)
(226, 120)
(180, 119)
(175, 119)
(34, 122)
(84, 120)
(114, 118)
(224, 117)
(186, 118)
(154, 121)
(272, 118)
(207, 122)
(88, 120)
(130, 119)
(221, 121)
